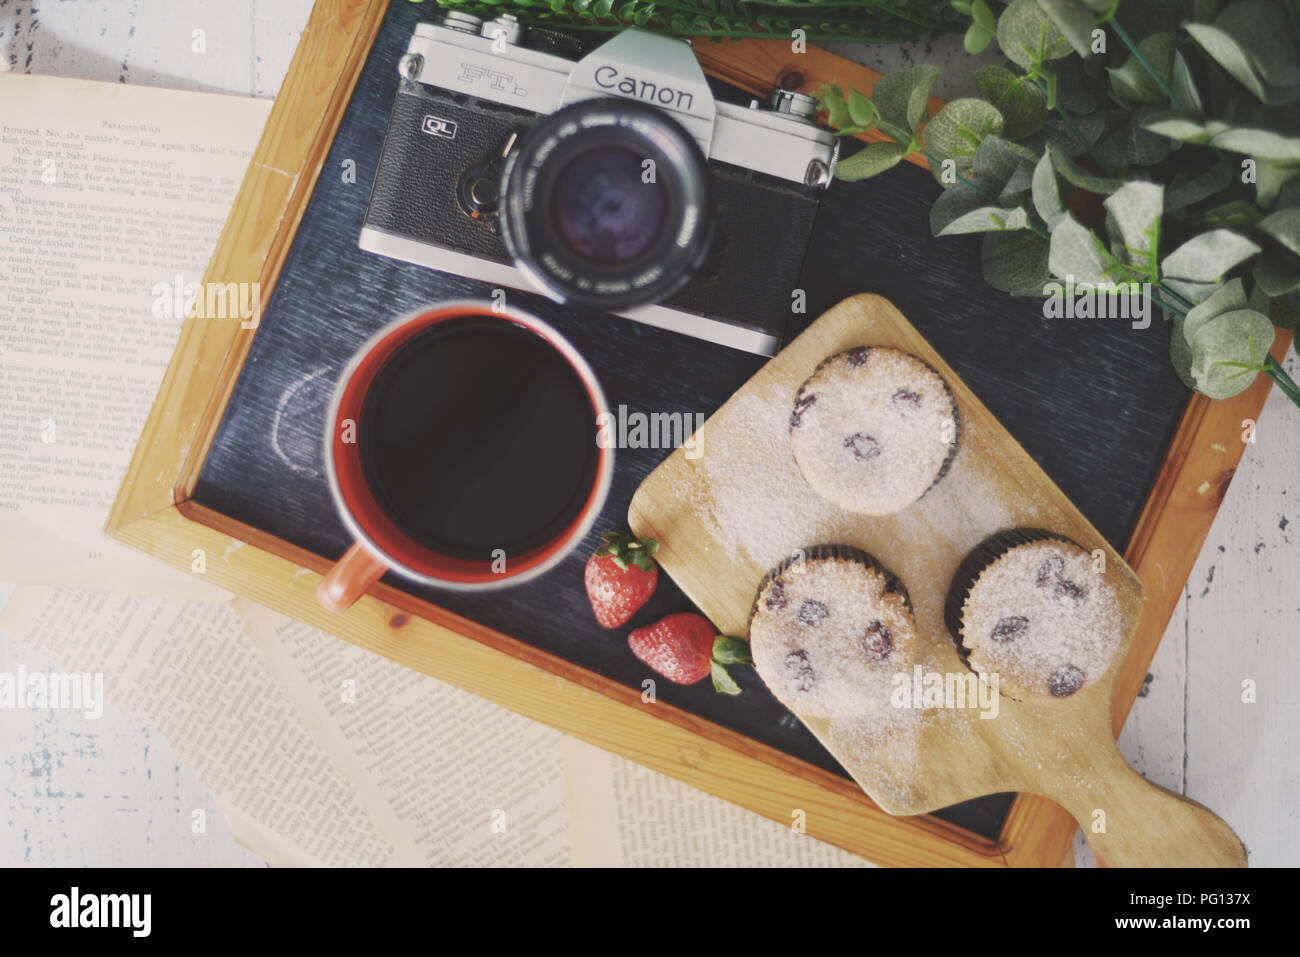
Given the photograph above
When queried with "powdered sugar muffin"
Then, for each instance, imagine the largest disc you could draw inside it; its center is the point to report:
(1029, 606)
(828, 632)
(873, 429)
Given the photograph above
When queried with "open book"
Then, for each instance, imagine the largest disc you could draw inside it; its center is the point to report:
(111, 199)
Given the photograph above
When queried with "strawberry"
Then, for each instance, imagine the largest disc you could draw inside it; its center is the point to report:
(620, 577)
(685, 647)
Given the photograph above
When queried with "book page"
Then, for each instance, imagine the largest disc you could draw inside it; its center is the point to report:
(626, 815)
(111, 200)
(187, 671)
(448, 778)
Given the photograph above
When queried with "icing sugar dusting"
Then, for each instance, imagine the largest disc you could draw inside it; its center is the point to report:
(875, 427)
(1042, 618)
(827, 637)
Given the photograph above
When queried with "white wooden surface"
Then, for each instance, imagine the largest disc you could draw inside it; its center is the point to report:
(118, 795)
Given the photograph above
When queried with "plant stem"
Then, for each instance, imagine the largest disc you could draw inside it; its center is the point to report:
(1273, 369)
(1166, 305)
(1160, 81)
(1187, 303)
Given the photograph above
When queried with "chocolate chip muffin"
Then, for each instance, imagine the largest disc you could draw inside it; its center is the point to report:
(873, 429)
(829, 630)
(1029, 606)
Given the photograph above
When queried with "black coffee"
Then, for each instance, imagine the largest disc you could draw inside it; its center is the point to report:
(477, 435)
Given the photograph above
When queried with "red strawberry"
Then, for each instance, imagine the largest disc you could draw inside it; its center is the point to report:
(621, 577)
(679, 647)
(685, 647)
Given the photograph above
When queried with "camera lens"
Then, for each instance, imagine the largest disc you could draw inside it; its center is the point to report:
(607, 203)
(603, 208)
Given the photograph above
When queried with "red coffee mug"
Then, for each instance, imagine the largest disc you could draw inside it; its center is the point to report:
(380, 544)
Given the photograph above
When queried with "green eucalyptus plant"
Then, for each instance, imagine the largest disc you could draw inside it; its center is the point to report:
(863, 21)
(1167, 157)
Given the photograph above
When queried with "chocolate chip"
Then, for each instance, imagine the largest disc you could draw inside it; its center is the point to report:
(799, 670)
(865, 448)
(802, 404)
(858, 356)
(1072, 592)
(1049, 571)
(877, 641)
(906, 397)
(1008, 629)
(1065, 682)
(776, 599)
(811, 612)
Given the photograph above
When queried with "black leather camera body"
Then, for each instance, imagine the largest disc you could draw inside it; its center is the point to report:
(614, 180)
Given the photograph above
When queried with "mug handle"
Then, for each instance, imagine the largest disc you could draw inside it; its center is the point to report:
(349, 579)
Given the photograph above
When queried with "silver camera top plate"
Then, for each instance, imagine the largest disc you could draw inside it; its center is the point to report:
(635, 64)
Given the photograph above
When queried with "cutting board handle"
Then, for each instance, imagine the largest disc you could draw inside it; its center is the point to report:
(1130, 822)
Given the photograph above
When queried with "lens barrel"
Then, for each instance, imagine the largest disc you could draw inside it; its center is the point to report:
(607, 203)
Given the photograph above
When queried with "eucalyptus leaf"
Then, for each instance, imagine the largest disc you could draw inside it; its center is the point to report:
(1027, 35)
(1022, 104)
(1271, 179)
(1078, 136)
(1229, 297)
(1262, 32)
(1179, 124)
(982, 29)
(1076, 253)
(1180, 353)
(1277, 272)
(1075, 174)
(1134, 82)
(1074, 20)
(862, 111)
(1131, 145)
(867, 162)
(1225, 51)
(1135, 209)
(836, 105)
(1282, 311)
(1076, 90)
(1184, 125)
(1243, 336)
(1206, 257)
(1015, 262)
(963, 210)
(901, 96)
(1193, 292)
(1183, 85)
(960, 126)
(1284, 226)
(1237, 212)
(1259, 144)
(998, 158)
(1188, 187)
(1017, 188)
(1047, 191)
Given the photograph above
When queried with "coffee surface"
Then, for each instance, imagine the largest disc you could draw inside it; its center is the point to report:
(477, 435)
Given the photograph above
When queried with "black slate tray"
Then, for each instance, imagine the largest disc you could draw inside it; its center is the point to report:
(1093, 401)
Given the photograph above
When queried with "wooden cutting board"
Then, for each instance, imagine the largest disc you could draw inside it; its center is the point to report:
(731, 505)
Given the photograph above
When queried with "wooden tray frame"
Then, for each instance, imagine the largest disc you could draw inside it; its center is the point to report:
(155, 511)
